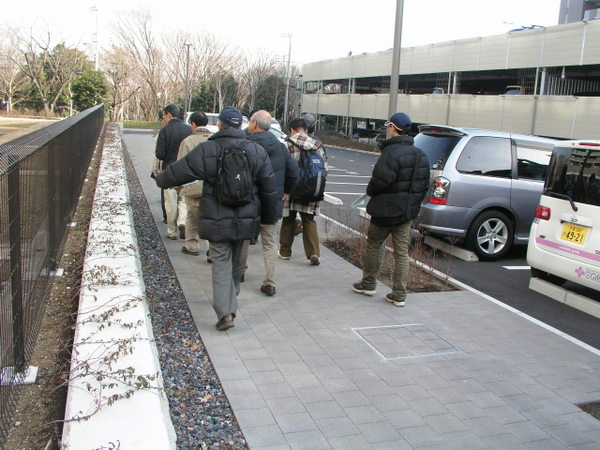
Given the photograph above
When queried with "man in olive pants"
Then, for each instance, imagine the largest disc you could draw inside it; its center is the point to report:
(397, 187)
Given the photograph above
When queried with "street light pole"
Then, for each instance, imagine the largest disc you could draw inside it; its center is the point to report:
(394, 80)
(287, 79)
(95, 9)
(188, 99)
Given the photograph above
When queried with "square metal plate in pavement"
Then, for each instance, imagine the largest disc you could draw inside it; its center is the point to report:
(405, 341)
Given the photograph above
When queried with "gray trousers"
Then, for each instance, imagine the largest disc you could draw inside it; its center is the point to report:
(226, 272)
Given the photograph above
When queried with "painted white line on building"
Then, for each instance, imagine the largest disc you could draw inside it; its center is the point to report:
(466, 287)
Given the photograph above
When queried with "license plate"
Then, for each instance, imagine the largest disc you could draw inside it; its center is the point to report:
(574, 233)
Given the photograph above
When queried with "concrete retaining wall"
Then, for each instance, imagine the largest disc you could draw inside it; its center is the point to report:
(115, 390)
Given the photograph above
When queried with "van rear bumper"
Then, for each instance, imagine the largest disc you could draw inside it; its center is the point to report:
(444, 220)
(577, 271)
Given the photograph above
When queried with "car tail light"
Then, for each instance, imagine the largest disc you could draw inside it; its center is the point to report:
(542, 212)
(439, 191)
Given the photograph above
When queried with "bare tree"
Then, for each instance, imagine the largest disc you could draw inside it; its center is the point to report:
(255, 70)
(122, 88)
(50, 68)
(11, 79)
(146, 59)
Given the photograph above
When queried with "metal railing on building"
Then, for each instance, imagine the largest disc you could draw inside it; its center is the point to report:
(41, 176)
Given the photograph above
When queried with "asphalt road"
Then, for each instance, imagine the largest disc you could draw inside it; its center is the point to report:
(506, 280)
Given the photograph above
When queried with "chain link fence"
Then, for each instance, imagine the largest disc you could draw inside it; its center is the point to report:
(41, 176)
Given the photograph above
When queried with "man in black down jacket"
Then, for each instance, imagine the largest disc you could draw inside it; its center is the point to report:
(167, 147)
(397, 187)
(224, 227)
(286, 176)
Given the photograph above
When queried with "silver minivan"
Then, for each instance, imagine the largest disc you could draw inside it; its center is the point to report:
(485, 186)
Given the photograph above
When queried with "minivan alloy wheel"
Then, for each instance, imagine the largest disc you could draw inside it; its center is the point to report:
(490, 235)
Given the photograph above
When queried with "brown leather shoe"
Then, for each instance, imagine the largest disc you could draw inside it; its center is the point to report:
(225, 323)
(267, 289)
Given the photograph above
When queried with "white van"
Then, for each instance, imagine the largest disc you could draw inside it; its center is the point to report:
(564, 242)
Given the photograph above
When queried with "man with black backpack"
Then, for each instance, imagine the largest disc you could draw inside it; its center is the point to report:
(239, 195)
(306, 196)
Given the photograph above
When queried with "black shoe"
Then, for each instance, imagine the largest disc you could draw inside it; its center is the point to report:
(362, 289)
(315, 260)
(242, 277)
(208, 260)
(188, 252)
(267, 289)
(225, 323)
(394, 299)
(181, 231)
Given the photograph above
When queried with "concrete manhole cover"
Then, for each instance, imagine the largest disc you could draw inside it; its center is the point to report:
(405, 341)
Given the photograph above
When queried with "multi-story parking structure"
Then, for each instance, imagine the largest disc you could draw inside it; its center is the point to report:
(554, 72)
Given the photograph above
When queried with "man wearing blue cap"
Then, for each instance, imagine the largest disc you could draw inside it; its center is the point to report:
(397, 187)
(227, 227)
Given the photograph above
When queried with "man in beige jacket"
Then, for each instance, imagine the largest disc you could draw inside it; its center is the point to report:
(192, 192)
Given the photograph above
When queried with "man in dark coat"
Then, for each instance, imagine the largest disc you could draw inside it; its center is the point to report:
(286, 175)
(397, 187)
(167, 147)
(226, 227)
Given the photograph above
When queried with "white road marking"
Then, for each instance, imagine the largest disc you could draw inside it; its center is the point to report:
(517, 267)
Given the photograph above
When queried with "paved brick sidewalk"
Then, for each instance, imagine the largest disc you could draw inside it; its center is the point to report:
(318, 366)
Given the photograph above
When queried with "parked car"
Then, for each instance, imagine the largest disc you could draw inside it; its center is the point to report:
(278, 134)
(564, 243)
(485, 186)
(213, 118)
(275, 124)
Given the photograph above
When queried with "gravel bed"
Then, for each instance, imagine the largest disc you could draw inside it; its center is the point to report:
(200, 411)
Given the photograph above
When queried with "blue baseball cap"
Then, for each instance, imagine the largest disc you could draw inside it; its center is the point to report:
(231, 116)
(400, 121)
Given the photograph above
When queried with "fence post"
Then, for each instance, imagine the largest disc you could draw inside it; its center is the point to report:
(14, 221)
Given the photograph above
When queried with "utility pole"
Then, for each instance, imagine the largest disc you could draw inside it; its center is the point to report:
(393, 102)
(287, 78)
(188, 99)
(95, 9)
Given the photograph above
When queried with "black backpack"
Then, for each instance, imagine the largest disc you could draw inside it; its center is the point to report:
(234, 183)
(311, 178)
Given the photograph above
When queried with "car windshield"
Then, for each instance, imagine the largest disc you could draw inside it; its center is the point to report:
(575, 172)
(437, 147)
(278, 134)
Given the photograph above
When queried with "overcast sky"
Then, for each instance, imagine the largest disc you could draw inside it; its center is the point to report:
(320, 29)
